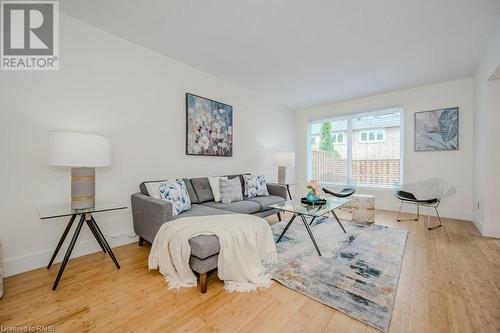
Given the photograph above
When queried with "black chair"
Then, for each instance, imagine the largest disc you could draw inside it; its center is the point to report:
(428, 193)
(344, 193)
(410, 198)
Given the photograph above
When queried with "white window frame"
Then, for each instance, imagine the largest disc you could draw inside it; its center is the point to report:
(335, 137)
(375, 131)
(348, 138)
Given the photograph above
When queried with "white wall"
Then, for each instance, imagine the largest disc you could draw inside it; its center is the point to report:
(487, 137)
(454, 166)
(109, 86)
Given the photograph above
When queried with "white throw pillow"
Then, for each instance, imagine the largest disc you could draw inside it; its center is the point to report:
(215, 185)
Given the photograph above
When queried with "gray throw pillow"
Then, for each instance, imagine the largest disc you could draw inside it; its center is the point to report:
(230, 190)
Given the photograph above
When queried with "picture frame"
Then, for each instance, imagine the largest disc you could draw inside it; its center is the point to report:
(209, 127)
(436, 130)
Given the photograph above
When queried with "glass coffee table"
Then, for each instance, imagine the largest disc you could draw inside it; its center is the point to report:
(314, 211)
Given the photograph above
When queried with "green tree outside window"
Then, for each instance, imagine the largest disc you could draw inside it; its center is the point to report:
(326, 141)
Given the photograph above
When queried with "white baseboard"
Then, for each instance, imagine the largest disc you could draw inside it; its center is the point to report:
(16, 265)
(478, 223)
(485, 230)
(410, 208)
(491, 231)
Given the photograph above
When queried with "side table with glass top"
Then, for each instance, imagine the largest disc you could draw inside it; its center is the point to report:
(314, 211)
(284, 184)
(86, 216)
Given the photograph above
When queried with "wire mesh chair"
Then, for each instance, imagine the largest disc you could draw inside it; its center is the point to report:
(428, 193)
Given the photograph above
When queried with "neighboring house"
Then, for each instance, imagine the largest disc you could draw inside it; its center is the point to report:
(370, 141)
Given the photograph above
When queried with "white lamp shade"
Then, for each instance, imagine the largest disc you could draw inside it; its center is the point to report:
(79, 149)
(284, 159)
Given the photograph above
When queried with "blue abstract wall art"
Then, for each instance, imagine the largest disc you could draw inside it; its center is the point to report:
(436, 130)
(209, 127)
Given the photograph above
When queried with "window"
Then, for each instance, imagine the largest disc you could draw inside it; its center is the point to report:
(360, 150)
(338, 137)
(373, 135)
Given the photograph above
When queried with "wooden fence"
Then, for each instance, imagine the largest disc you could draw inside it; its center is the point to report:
(328, 169)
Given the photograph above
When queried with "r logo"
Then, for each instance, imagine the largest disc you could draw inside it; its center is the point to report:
(30, 35)
(28, 28)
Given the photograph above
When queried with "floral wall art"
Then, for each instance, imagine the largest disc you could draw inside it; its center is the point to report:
(436, 130)
(209, 127)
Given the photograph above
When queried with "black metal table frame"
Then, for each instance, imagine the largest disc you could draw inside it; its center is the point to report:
(94, 228)
(288, 190)
(303, 217)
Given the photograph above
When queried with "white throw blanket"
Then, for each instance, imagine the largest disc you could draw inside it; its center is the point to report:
(246, 245)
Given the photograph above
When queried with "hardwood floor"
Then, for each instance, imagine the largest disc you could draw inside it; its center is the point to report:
(450, 282)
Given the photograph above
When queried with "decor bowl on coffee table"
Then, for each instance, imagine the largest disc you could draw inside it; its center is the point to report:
(319, 202)
(357, 273)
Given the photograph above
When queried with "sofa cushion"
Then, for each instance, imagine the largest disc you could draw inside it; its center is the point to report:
(192, 193)
(242, 207)
(189, 186)
(201, 210)
(265, 201)
(202, 189)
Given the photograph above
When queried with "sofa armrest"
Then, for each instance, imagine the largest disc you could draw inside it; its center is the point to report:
(278, 190)
(149, 214)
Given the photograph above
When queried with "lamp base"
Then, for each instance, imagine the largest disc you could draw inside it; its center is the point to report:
(281, 174)
(82, 188)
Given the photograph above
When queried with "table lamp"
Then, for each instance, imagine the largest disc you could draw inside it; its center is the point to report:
(83, 153)
(283, 160)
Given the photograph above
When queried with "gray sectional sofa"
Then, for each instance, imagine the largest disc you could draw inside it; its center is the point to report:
(149, 214)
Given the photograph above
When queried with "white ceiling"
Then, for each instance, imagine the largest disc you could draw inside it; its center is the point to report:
(303, 53)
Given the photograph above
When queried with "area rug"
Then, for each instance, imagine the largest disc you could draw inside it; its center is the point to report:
(357, 273)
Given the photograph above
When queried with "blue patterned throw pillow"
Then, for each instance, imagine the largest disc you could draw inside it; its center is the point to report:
(175, 192)
(255, 186)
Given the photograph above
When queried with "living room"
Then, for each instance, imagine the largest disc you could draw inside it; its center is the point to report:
(353, 129)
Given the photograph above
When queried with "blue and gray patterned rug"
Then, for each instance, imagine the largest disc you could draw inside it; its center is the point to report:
(357, 273)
